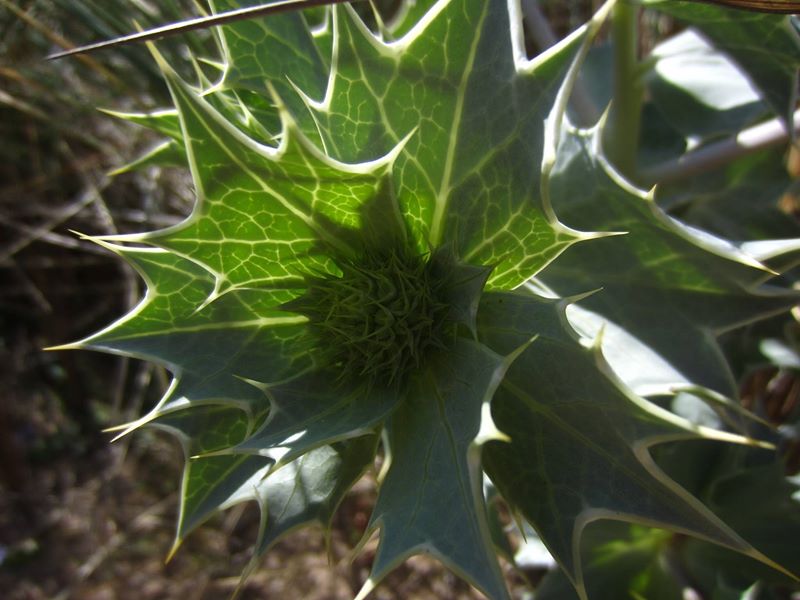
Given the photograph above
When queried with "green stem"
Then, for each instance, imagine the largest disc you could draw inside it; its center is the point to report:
(622, 132)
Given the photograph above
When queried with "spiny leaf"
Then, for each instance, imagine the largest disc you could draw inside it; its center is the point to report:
(766, 46)
(311, 488)
(281, 50)
(407, 16)
(207, 428)
(699, 90)
(755, 498)
(741, 201)
(214, 483)
(671, 287)
(578, 448)
(310, 411)
(212, 352)
(211, 484)
(287, 197)
(164, 154)
(622, 561)
(465, 176)
(259, 50)
(431, 499)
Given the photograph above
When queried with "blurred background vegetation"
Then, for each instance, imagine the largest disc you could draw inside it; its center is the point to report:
(79, 517)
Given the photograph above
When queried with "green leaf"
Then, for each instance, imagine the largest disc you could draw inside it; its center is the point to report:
(442, 84)
(280, 49)
(740, 201)
(166, 154)
(239, 337)
(488, 205)
(622, 561)
(497, 527)
(271, 49)
(699, 90)
(671, 287)
(407, 16)
(765, 46)
(642, 369)
(310, 489)
(747, 488)
(578, 448)
(759, 502)
(250, 203)
(165, 122)
(755, 500)
(214, 483)
(205, 429)
(310, 411)
(431, 500)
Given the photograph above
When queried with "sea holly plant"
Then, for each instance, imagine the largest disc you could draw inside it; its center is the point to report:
(401, 247)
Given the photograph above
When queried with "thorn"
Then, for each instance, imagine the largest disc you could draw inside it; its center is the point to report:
(195, 24)
(175, 546)
(366, 589)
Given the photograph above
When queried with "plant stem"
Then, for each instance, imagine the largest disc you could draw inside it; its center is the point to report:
(764, 135)
(622, 132)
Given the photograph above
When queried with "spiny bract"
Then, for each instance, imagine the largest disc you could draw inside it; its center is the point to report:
(379, 319)
(435, 137)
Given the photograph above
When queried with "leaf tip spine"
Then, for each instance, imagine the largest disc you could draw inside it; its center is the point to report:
(176, 544)
(488, 430)
(366, 589)
(67, 346)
